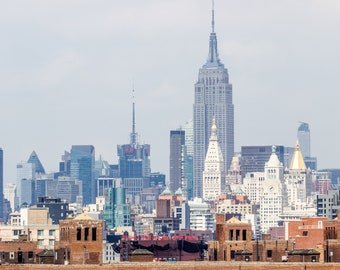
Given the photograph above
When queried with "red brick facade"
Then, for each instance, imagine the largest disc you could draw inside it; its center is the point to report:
(234, 243)
(81, 238)
(18, 252)
(307, 232)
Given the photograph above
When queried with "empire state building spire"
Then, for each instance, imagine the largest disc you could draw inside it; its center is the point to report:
(213, 18)
(213, 59)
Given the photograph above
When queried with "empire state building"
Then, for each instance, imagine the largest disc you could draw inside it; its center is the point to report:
(213, 99)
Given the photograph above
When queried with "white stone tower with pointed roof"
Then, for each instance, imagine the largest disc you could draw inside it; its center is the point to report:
(214, 173)
(298, 181)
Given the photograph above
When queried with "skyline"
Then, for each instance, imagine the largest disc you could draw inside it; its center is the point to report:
(66, 64)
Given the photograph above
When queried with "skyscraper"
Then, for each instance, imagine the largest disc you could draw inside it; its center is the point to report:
(34, 159)
(188, 157)
(189, 136)
(28, 196)
(10, 193)
(303, 135)
(116, 210)
(82, 168)
(134, 165)
(134, 159)
(299, 182)
(65, 164)
(305, 146)
(177, 143)
(214, 173)
(213, 99)
(26, 176)
(1, 184)
(253, 158)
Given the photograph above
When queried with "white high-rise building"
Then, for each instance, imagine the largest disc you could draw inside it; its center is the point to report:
(273, 193)
(189, 136)
(268, 190)
(201, 215)
(214, 173)
(213, 98)
(10, 193)
(188, 153)
(252, 184)
(298, 180)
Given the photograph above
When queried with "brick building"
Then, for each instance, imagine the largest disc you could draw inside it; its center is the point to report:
(307, 232)
(18, 252)
(175, 199)
(163, 208)
(234, 243)
(81, 240)
(231, 236)
(331, 239)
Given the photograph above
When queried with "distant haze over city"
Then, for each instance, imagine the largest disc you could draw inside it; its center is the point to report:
(68, 68)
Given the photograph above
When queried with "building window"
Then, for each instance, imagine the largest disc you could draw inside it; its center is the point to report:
(51, 232)
(231, 232)
(30, 254)
(40, 243)
(237, 235)
(94, 234)
(78, 234)
(40, 232)
(51, 242)
(304, 233)
(244, 235)
(86, 234)
(269, 253)
(232, 254)
(11, 255)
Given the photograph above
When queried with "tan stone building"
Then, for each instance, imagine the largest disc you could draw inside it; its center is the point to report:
(81, 238)
(36, 224)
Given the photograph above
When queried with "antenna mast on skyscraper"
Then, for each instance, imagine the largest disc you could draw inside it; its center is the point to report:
(213, 17)
(133, 136)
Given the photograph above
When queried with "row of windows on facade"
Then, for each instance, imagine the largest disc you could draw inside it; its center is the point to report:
(236, 207)
(272, 171)
(41, 242)
(12, 255)
(40, 232)
(212, 178)
(86, 234)
(50, 232)
(237, 235)
(324, 199)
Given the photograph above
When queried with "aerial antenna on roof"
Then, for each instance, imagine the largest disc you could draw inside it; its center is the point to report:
(213, 17)
(133, 136)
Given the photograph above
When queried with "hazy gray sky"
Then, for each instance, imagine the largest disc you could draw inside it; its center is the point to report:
(67, 70)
